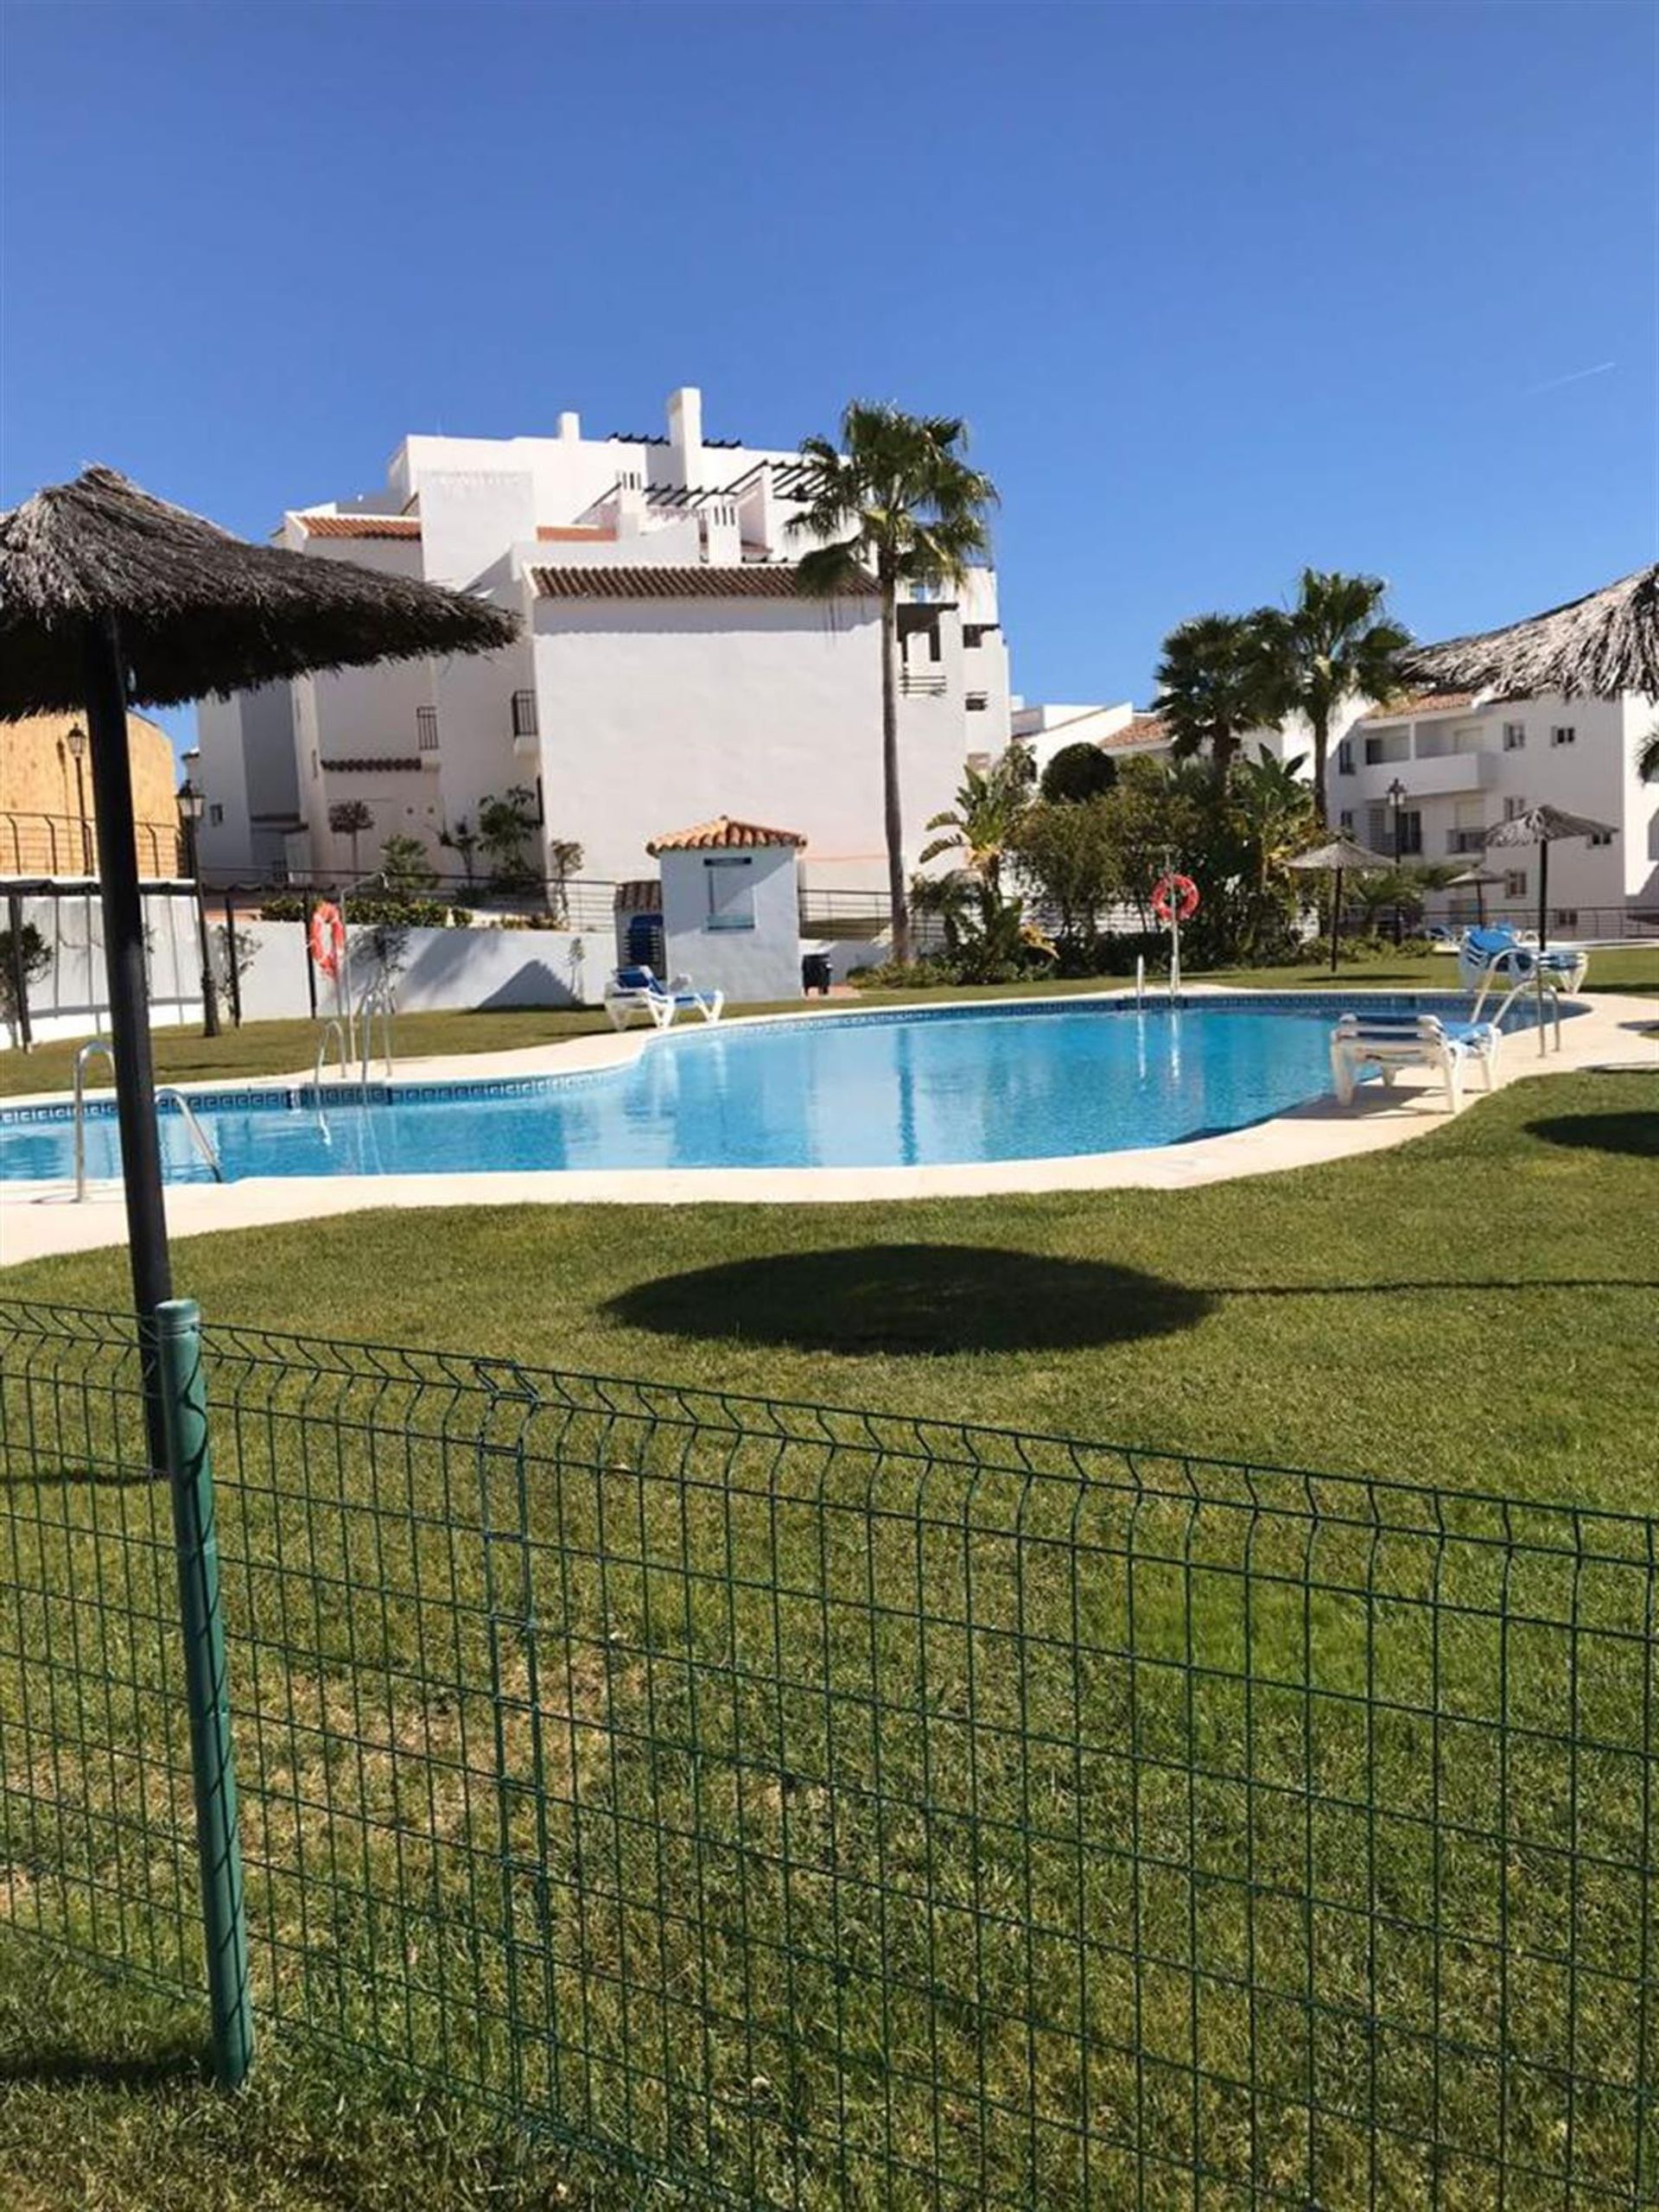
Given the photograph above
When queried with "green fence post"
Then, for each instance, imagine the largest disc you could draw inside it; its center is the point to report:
(177, 1326)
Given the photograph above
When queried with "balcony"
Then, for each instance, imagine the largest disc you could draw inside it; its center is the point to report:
(1439, 779)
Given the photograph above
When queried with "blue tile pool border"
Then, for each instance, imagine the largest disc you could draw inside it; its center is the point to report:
(288, 1098)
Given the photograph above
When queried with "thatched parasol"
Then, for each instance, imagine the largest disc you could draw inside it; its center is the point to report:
(1480, 881)
(1596, 647)
(199, 611)
(1338, 858)
(109, 597)
(1542, 826)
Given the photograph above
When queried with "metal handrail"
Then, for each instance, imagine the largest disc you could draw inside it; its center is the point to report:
(337, 1030)
(88, 1051)
(199, 1136)
(377, 999)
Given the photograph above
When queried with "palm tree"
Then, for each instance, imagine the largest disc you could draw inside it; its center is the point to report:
(897, 503)
(1214, 684)
(990, 804)
(1647, 757)
(1335, 643)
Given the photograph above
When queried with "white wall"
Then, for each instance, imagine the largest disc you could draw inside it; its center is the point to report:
(1458, 774)
(442, 969)
(747, 964)
(70, 1000)
(659, 713)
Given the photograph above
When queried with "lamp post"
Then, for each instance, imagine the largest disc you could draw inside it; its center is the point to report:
(192, 806)
(75, 737)
(1396, 800)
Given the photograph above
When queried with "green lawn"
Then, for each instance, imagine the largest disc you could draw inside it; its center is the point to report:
(1474, 1309)
(288, 1047)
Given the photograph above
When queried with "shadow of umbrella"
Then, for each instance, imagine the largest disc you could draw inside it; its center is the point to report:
(911, 1299)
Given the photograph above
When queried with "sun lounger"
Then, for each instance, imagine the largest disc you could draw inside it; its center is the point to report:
(1390, 1042)
(632, 989)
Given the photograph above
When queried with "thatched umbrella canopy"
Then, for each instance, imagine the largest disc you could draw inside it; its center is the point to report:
(1480, 881)
(198, 610)
(1336, 859)
(1542, 826)
(109, 596)
(1594, 647)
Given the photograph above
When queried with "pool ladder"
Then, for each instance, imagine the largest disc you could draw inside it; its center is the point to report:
(92, 1049)
(377, 1000)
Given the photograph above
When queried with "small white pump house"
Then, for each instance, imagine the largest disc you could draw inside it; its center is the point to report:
(731, 907)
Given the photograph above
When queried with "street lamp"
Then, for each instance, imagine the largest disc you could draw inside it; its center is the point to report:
(75, 737)
(192, 807)
(1396, 800)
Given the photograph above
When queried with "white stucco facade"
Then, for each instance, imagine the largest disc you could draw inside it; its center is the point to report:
(669, 663)
(1464, 762)
(731, 920)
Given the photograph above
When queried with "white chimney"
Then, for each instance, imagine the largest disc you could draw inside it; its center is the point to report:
(569, 428)
(685, 433)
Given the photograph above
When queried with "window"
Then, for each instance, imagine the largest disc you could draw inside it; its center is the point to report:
(523, 715)
(1602, 837)
(1515, 883)
(216, 820)
(1411, 829)
(731, 892)
(426, 729)
(1375, 751)
(1515, 736)
(1565, 918)
(1345, 819)
(977, 702)
(974, 634)
(1512, 807)
(1564, 733)
(1345, 757)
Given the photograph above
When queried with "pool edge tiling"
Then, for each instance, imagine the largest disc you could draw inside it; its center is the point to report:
(40, 1219)
(958, 1086)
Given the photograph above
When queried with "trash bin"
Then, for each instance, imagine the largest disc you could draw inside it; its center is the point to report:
(815, 974)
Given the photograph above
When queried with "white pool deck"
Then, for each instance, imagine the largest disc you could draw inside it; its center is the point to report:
(41, 1220)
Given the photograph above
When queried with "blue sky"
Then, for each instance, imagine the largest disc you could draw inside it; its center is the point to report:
(1220, 289)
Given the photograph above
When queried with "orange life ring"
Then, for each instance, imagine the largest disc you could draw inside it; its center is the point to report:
(327, 936)
(1167, 890)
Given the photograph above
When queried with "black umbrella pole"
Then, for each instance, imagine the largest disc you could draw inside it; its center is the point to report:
(123, 962)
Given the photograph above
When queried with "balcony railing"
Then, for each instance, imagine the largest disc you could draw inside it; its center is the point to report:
(1465, 840)
(922, 682)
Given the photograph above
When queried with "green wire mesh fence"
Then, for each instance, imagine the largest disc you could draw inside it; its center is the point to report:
(819, 1808)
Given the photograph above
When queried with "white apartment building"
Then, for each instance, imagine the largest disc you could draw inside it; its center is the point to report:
(1128, 732)
(669, 667)
(1452, 765)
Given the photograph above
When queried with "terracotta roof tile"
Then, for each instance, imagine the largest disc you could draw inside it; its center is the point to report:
(1422, 702)
(721, 834)
(642, 579)
(583, 533)
(361, 525)
(1139, 730)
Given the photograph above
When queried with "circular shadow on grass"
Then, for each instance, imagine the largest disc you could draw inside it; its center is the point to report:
(1637, 1133)
(913, 1299)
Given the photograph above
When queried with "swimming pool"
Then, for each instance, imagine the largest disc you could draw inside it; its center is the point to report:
(935, 1086)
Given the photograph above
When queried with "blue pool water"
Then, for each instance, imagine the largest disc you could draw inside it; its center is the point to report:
(943, 1085)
